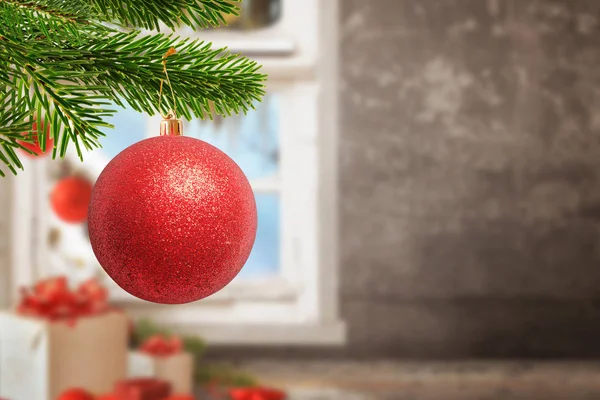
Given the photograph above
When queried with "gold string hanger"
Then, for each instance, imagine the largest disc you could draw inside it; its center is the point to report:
(170, 125)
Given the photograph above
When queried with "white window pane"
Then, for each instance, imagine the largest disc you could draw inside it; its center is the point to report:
(264, 259)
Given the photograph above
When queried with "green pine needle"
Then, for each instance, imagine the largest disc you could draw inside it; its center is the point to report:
(72, 61)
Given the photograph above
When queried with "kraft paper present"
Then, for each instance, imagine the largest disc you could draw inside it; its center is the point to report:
(40, 359)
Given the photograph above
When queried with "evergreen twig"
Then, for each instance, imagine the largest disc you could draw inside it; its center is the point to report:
(71, 62)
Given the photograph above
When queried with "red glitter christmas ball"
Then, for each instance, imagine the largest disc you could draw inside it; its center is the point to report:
(70, 199)
(172, 219)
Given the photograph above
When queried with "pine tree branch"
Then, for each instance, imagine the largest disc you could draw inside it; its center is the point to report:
(73, 108)
(145, 14)
(133, 68)
(58, 61)
(59, 27)
(16, 121)
(47, 9)
(148, 14)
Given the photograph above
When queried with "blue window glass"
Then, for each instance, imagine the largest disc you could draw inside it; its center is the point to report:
(264, 259)
(130, 127)
(252, 140)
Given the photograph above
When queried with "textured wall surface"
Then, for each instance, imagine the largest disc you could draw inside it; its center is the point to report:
(470, 177)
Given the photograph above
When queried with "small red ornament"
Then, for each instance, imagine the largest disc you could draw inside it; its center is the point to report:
(257, 393)
(35, 146)
(70, 199)
(161, 346)
(76, 394)
(172, 219)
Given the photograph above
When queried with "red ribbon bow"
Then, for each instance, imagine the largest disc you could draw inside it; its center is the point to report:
(53, 300)
(256, 393)
(161, 346)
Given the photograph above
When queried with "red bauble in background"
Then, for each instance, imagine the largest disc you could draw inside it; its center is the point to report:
(257, 393)
(172, 219)
(35, 146)
(70, 199)
(76, 394)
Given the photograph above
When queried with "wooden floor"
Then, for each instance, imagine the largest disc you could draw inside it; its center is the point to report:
(428, 381)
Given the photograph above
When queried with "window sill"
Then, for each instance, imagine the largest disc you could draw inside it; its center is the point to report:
(267, 312)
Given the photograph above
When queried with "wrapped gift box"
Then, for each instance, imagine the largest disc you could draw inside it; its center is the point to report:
(40, 359)
(59, 340)
(177, 369)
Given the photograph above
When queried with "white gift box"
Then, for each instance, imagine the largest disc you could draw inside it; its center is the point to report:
(40, 359)
(177, 369)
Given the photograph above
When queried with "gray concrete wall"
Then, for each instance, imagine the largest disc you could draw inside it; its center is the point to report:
(470, 177)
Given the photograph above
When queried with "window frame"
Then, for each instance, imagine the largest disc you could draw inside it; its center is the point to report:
(301, 305)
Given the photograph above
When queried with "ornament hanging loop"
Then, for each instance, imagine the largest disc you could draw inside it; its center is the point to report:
(170, 125)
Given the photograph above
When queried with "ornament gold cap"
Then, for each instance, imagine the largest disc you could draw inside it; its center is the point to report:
(171, 126)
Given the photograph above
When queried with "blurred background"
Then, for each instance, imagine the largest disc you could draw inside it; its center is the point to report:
(425, 173)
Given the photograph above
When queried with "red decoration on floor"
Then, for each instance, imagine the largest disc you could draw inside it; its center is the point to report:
(257, 393)
(142, 389)
(76, 394)
(52, 299)
(35, 146)
(161, 346)
(107, 397)
(172, 219)
(70, 199)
